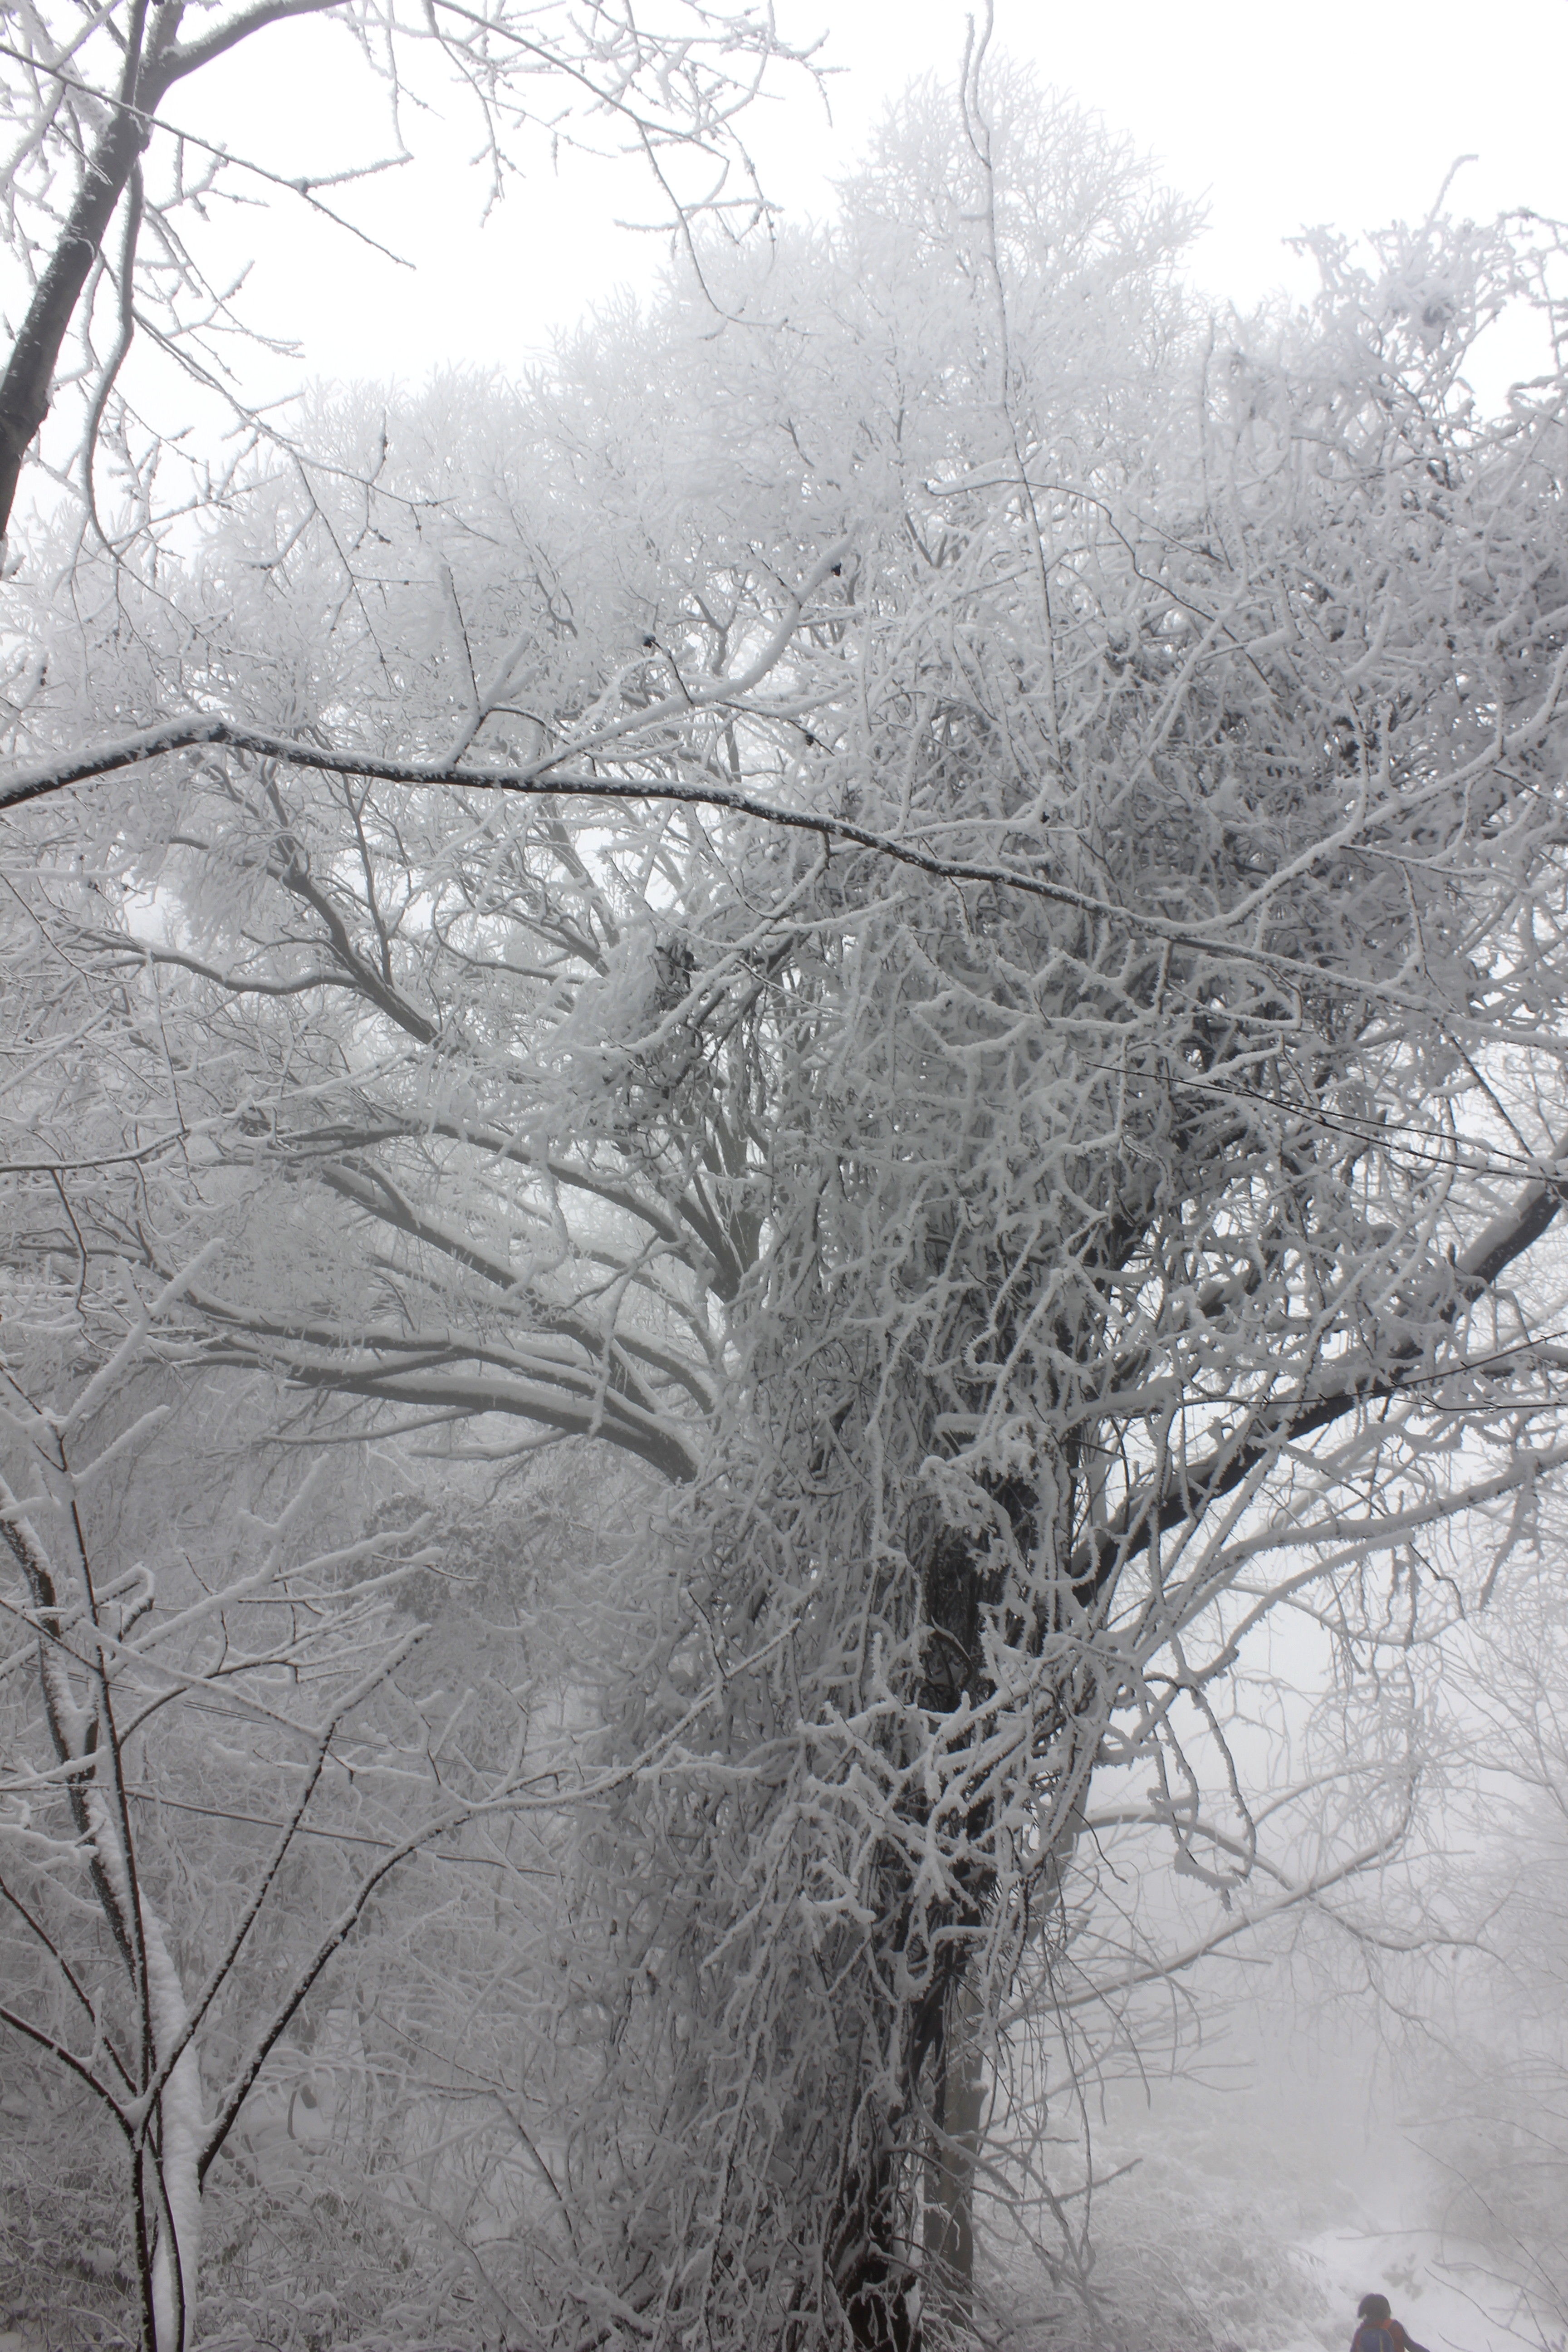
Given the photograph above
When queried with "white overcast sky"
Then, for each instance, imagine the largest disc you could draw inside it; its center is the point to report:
(1346, 111)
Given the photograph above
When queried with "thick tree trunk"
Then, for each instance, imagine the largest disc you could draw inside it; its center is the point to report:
(957, 2107)
(876, 2274)
(957, 1590)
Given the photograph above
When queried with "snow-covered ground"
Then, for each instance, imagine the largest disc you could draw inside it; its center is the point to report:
(1440, 2290)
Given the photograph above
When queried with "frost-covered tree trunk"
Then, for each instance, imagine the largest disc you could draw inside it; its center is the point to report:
(176, 2259)
(958, 2113)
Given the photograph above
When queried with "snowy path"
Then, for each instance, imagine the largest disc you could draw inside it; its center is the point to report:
(1445, 2302)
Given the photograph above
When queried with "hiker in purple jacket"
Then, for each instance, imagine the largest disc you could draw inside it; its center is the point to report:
(1379, 2330)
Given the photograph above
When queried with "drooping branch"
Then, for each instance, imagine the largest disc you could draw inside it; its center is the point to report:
(560, 1388)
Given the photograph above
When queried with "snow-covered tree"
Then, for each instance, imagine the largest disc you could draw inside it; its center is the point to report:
(114, 180)
(288, 1648)
(940, 917)
(274, 1820)
(1486, 2098)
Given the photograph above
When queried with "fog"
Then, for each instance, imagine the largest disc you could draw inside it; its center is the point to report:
(782, 1391)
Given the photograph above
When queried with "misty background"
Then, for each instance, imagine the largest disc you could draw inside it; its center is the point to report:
(1368, 2093)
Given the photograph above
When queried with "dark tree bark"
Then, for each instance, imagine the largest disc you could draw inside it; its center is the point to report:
(28, 380)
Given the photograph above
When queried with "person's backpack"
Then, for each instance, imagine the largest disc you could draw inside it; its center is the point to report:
(1378, 2336)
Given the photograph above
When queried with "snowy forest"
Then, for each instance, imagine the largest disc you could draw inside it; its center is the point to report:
(783, 1336)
